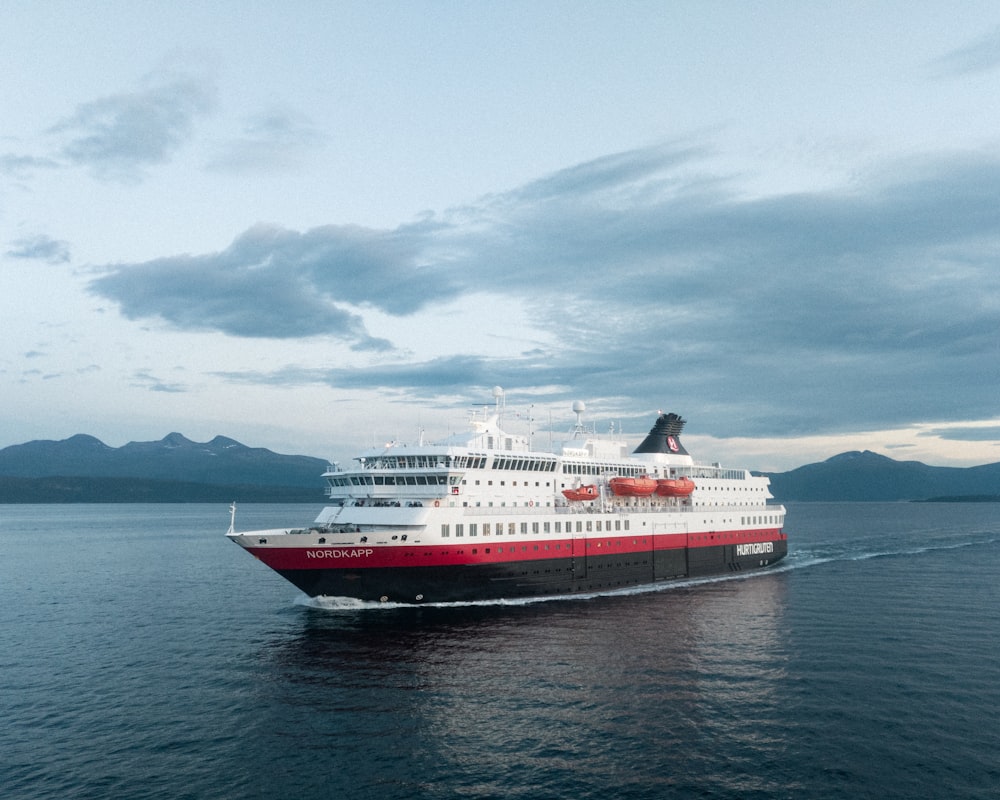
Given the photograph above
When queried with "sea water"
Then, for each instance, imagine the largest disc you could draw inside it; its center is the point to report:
(143, 655)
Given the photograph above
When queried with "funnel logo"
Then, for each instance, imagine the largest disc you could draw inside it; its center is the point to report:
(672, 443)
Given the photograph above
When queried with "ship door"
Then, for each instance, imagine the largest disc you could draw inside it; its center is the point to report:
(579, 565)
(670, 557)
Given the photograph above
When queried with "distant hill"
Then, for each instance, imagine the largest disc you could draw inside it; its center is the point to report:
(174, 469)
(83, 469)
(870, 476)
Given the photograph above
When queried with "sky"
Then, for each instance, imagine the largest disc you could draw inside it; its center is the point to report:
(318, 226)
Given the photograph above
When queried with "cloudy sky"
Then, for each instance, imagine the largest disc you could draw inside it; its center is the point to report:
(311, 226)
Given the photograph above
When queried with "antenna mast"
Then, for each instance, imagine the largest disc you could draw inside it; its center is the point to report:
(578, 408)
(501, 403)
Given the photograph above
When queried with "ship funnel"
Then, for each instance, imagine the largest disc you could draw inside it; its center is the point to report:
(664, 437)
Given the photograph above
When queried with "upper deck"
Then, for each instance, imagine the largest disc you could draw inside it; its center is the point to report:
(489, 467)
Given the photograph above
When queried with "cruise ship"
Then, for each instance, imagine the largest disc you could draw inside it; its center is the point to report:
(484, 515)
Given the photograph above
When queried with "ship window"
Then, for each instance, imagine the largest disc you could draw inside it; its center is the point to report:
(512, 528)
(598, 525)
(534, 527)
(459, 529)
(618, 524)
(626, 524)
(579, 527)
(546, 526)
(444, 530)
(590, 525)
(472, 528)
(559, 527)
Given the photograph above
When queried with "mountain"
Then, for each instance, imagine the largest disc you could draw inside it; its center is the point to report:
(83, 469)
(870, 476)
(174, 469)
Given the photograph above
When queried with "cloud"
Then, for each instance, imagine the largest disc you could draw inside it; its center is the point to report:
(119, 135)
(971, 434)
(24, 166)
(271, 283)
(866, 306)
(981, 55)
(277, 139)
(147, 380)
(42, 248)
(457, 375)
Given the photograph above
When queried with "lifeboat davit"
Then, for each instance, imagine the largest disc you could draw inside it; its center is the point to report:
(581, 493)
(633, 487)
(674, 487)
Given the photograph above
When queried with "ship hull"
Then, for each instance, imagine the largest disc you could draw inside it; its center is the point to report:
(574, 574)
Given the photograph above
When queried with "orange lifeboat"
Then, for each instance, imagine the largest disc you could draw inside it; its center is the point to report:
(674, 487)
(581, 493)
(633, 487)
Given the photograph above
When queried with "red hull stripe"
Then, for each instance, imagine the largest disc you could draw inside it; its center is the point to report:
(484, 551)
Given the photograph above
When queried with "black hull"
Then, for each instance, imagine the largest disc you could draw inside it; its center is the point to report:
(520, 579)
